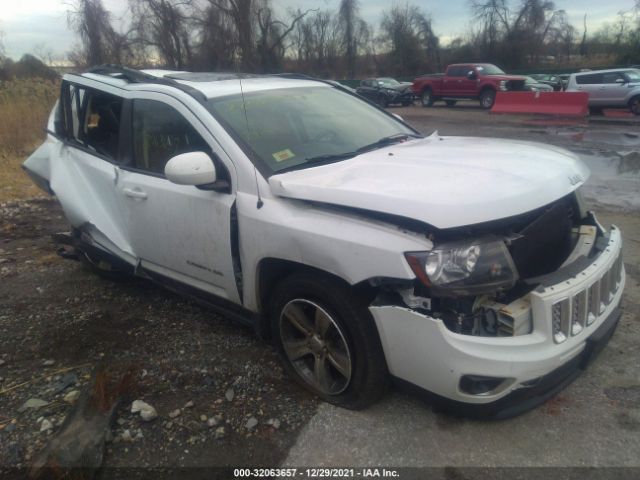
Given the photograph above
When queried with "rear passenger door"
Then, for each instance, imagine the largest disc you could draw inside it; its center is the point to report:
(86, 170)
(179, 232)
(592, 84)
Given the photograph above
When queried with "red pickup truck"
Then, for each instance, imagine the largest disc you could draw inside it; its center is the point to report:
(479, 81)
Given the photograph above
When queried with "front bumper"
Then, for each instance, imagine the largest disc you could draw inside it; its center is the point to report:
(421, 351)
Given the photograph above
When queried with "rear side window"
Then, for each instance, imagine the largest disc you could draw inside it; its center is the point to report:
(592, 79)
(456, 71)
(91, 119)
(159, 133)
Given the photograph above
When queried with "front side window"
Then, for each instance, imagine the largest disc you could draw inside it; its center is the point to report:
(612, 77)
(159, 133)
(488, 69)
(633, 75)
(297, 127)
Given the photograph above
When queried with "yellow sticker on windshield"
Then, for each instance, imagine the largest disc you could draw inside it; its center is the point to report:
(283, 155)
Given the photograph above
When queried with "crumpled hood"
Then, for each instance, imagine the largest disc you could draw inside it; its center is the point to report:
(443, 181)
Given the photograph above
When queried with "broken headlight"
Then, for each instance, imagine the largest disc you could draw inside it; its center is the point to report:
(465, 268)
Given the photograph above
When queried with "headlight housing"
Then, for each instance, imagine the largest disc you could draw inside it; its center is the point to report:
(503, 85)
(465, 268)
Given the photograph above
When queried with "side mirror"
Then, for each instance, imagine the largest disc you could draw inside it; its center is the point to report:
(471, 75)
(192, 168)
(620, 80)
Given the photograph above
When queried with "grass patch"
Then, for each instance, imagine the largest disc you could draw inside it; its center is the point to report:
(25, 105)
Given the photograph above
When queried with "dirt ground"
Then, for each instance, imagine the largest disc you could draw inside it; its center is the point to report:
(209, 378)
(56, 317)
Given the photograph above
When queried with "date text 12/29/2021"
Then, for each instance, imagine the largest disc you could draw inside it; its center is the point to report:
(312, 473)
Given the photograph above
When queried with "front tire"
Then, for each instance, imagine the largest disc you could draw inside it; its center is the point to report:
(327, 340)
(383, 101)
(427, 98)
(487, 98)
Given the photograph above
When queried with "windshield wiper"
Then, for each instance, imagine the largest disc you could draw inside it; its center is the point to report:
(320, 159)
(390, 140)
(336, 157)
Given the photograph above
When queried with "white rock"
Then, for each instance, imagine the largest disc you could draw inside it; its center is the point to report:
(229, 394)
(126, 436)
(48, 363)
(46, 425)
(189, 404)
(203, 418)
(175, 413)
(72, 396)
(252, 423)
(212, 422)
(147, 412)
(219, 432)
(274, 422)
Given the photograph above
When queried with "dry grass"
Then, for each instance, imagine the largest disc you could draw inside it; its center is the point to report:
(24, 107)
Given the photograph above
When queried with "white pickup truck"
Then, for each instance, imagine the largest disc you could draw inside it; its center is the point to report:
(467, 268)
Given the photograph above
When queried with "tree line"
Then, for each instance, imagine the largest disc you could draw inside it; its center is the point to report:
(253, 36)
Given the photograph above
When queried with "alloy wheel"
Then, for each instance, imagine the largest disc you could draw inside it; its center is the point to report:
(316, 346)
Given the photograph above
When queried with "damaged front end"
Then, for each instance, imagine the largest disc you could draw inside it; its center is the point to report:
(498, 307)
(477, 279)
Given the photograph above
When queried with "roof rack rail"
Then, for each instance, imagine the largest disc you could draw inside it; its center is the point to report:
(136, 76)
(304, 76)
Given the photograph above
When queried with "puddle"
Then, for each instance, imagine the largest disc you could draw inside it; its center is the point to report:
(612, 165)
(614, 181)
(620, 139)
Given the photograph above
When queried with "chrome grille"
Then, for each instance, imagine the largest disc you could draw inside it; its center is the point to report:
(571, 315)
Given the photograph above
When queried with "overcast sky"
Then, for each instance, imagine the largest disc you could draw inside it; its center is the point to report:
(41, 25)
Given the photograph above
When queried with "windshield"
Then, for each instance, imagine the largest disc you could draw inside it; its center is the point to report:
(488, 69)
(388, 81)
(294, 128)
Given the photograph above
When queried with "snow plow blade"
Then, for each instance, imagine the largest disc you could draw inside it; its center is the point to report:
(566, 104)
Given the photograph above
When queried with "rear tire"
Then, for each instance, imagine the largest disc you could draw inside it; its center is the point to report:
(487, 98)
(327, 340)
(427, 98)
(634, 105)
(451, 103)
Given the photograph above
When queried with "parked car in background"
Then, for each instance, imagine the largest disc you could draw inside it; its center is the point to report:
(564, 78)
(386, 91)
(478, 81)
(619, 87)
(549, 79)
(532, 85)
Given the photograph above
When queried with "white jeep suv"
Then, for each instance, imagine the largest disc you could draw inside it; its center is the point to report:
(466, 267)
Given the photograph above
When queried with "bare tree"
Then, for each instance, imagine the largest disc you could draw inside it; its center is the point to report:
(412, 45)
(163, 26)
(355, 33)
(101, 43)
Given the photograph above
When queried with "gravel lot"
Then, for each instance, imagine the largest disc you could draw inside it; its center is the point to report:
(219, 392)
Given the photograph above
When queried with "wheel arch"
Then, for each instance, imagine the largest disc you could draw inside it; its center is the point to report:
(272, 270)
